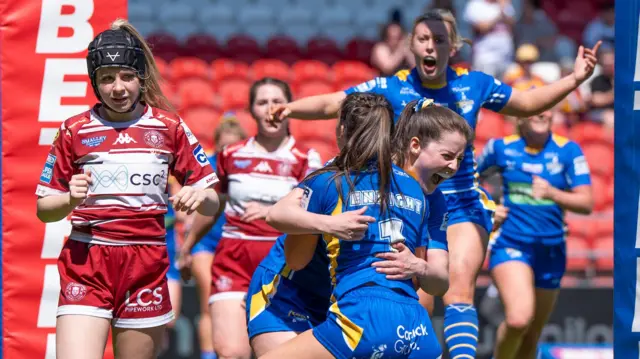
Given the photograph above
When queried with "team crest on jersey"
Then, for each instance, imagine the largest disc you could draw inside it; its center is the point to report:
(465, 105)
(93, 141)
(153, 138)
(242, 164)
(75, 291)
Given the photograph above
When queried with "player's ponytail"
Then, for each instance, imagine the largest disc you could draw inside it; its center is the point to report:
(427, 122)
(151, 92)
(367, 129)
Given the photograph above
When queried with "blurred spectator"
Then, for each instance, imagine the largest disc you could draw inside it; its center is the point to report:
(492, 22)
(601, 100)
(442, 4)
(536, 28)
(520, 74)
(601, 28)
(392, 53)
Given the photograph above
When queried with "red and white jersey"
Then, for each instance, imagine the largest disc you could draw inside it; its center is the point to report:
(130, 163)
(249, 174)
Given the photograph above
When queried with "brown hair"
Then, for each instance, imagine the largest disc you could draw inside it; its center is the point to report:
(253, 91)
(445, 16)
(151, 91)
(229, 124)
(367, 121)
(427, 122)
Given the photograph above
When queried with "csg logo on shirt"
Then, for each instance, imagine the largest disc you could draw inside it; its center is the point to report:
(200, 156)
(47, 171)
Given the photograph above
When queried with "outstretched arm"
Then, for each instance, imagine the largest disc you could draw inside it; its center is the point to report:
(310, 108)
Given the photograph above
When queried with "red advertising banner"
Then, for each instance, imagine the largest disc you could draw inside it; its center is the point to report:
(44, 82)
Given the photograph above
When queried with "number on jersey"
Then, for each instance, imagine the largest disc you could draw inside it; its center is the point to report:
(391, 230)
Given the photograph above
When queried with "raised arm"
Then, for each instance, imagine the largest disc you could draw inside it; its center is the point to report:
(532, 102)
(310, 108)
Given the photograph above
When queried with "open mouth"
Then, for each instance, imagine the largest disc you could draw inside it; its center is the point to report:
(429, 63)
(439, 177)
(119, 101)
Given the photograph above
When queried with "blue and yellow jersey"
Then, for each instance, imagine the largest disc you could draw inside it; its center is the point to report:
(560, 162)
(406, 220)
(465, 93)
(438, 217)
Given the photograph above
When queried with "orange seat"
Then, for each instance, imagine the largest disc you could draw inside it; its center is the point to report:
(195, 92)
(577, 254)
(163, 68)
(478, 146)
(603, 249)
(327, 150)
(306, 70)
(202, 121)
(226, 69)
(586, 131)
(579, 226)
(324, 130)
(354, 71)
(560, 129)
(346, 85)
(234, 94)
(600, 158)
(490, 125)
(188, 67)
(271, 68)
(312, 88)
(509, 128)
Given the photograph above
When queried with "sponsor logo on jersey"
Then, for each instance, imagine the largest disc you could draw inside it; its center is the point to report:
(47, 171)
(124, 139)
(580, 166)
(93, 141)
(75, 291)
(120, 178)
(190, 136)
(263, 166)
(306, 197)
(147, 300)
(536, 168)
(445, 222)
(242, 164)
(200, 156)
(153, 138)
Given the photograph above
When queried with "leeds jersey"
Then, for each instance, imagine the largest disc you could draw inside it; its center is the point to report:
(406, 220)
(560, 162)
(465, 93)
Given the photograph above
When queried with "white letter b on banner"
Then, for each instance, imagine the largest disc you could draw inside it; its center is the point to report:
(51, 20)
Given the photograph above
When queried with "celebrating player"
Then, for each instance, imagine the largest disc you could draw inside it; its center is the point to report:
(434, 40)
(254, 174)
(543, 176)
(108, 168)
(375, 305)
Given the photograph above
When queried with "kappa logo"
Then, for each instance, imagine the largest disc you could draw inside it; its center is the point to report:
(113, 57)
(124, 138)
(263, 166)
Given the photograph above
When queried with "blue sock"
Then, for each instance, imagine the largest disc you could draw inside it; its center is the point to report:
(208, 355)
(461, 330)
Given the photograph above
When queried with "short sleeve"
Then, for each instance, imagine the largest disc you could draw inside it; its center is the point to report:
(320, 195)
(577, 168)
(191, 166)
(438, 218)
(58, 168)
(313, 162)
(377, 85)
(489, 157)
(495, 93)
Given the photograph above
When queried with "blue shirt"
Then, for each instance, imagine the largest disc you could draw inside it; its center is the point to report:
(169, 225)
(438, 217)
(465, 93)
(560, 162)
(406, 219)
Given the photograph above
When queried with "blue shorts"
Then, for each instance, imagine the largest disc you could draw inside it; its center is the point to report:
(548, 261)
(207, 244)
(173, 273)
(375, 322)
(475, 206)
(277, 304)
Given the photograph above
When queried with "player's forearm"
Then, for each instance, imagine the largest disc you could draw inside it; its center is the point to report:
(210, 204)
(535, 101)
(578, 202)
(54, 208)
(316, 107)
(200, 227)
(290, 218)
(434, 277)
